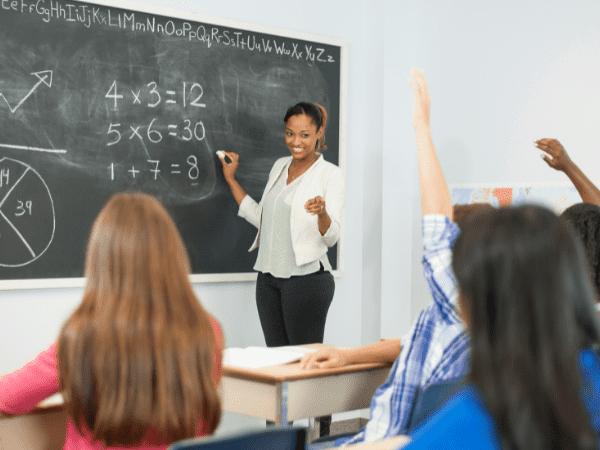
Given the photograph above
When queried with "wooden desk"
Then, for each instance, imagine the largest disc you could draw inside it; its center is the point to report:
(41, 429)
(279, 394)
(285, 393)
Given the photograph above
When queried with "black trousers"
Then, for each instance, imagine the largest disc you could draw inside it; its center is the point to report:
(292, 311)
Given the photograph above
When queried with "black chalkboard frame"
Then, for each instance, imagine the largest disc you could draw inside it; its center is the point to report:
(194, 20)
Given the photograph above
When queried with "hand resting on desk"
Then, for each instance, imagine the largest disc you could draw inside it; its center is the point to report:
(325, 359)
(384, 351)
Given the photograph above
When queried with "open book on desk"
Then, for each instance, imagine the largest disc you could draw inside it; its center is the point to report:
(257, 357)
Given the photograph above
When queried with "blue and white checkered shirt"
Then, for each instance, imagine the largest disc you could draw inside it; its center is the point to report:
(436, 349)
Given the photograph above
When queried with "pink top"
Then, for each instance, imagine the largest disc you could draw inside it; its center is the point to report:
(23, 389)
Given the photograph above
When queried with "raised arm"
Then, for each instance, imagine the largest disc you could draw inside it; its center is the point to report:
(435, 196)
(558, 159)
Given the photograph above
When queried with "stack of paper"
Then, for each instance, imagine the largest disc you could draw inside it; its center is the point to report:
(256, 357)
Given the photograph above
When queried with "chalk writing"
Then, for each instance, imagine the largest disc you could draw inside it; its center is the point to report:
(33, 149)
(44, 77)
(23, 208)
(25, 231)
(190, 129)
(99, 16)
(154, 168)
(195, 92)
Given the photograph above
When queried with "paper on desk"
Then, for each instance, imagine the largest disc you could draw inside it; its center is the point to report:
(257, 357)
(54, 400)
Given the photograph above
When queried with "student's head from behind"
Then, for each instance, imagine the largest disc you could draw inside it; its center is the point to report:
(585, 220)
(138, 351)
(462, 213)
(312, 117)
(529, 305)
(135, 249)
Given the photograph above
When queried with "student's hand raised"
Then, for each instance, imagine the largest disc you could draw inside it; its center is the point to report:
(324, 359)
(556, 156)
(422, 99)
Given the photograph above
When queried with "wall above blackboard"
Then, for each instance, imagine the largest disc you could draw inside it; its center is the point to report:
(97, 98)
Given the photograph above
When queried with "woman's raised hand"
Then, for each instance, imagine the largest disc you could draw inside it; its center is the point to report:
(421, 100)
(558, 158)
(229, 168)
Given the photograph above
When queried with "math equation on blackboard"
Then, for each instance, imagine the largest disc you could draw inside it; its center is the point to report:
(189, 96)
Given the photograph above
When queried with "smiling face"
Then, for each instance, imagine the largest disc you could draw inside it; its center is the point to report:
(301, 137)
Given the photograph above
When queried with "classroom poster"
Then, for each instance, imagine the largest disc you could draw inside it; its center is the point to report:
(557, 197)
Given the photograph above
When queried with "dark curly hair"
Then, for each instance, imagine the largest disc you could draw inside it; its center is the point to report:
(585, 220)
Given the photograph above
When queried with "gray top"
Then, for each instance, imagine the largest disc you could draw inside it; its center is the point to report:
(275, 253)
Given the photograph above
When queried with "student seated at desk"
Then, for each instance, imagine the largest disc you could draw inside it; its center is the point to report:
(535, 376)
(436, 348)
(526, 297)
(396, 402)
(139, 360)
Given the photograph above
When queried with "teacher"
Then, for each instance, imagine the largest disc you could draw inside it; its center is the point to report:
(298, 218)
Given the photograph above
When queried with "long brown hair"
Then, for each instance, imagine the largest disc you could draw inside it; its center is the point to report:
(138, 352)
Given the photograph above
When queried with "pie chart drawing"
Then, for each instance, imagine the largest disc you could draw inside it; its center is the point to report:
(27, 219)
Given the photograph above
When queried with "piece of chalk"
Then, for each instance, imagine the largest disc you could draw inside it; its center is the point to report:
(220, 154)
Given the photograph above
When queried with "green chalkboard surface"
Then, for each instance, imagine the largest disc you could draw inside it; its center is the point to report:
(97, 99)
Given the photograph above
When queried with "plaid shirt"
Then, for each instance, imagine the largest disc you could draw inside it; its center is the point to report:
(436, 348)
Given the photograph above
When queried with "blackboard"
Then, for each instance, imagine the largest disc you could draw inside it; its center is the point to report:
(101, 98)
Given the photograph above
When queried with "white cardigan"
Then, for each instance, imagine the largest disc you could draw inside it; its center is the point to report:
(323, 179)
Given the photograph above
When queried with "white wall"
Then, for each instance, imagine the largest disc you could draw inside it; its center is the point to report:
(503, 74)
(398, 169)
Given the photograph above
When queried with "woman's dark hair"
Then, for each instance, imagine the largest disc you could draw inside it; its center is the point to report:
(585, 220)
(317, 114)
(530, 306)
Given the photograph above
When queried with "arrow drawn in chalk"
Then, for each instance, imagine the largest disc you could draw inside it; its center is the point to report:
(45, 77)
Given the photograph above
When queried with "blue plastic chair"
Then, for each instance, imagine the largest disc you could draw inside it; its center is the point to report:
(431, 399)
(275, 438)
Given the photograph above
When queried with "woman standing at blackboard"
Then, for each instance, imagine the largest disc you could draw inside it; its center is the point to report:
(298, 218)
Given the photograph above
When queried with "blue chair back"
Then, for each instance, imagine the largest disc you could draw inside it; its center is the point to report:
(272, 438)
(433, 398)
